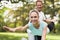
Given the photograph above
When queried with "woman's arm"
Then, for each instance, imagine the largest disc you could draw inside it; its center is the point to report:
(44, 33)
(21, 28)
(16, 29)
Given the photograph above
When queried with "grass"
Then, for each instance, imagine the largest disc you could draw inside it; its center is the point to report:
(53, 36)
(12, 36)
(18, 36)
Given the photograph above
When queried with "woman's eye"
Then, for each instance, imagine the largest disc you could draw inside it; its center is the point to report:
(35, 16)
(31, 17)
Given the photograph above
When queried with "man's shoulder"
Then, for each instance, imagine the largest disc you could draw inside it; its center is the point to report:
(42, 12)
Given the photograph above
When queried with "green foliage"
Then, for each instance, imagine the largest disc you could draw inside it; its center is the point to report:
(14, 1)
(23, 0)
(50, 7)
(57, 27)
(21, 12)
(2, 10)
(2, 18)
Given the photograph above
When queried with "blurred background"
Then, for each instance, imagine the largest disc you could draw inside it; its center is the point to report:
(14, 13)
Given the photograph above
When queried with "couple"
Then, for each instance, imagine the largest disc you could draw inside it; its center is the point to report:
(37, 28)
(36, 24)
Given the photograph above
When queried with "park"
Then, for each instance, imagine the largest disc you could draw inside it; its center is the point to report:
(14, 13)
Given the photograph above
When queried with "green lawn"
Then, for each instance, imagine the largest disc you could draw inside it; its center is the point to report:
(53, 37)
(18, 36)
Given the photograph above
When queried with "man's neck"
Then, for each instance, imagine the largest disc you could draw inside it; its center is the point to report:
(39, 10)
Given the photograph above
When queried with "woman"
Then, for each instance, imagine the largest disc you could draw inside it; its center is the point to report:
(37, 28)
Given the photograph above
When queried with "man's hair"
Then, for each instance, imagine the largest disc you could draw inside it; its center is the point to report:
(39, 1)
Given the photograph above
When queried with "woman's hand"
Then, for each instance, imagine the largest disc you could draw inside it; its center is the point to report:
(44, 34)
(8, 29)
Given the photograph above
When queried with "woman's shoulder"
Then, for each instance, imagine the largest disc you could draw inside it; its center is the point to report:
(43, 23)
(29, 23)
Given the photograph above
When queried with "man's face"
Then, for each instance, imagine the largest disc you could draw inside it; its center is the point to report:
(39, 6)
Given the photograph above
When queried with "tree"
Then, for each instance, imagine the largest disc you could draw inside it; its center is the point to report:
(2, 23)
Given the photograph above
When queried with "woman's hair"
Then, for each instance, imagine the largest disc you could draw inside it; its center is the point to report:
(33, 11)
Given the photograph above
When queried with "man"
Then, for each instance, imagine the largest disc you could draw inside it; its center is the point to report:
(39, 6)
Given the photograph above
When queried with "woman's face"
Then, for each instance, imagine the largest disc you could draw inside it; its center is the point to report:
(34, 17)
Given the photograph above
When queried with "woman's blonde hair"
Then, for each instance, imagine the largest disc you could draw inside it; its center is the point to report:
(33, 11)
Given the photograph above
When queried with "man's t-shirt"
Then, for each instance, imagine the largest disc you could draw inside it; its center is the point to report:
(41, 16)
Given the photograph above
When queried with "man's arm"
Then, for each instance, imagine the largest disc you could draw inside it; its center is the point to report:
(50, 20)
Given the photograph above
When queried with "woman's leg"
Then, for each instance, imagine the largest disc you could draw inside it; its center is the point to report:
(30, 36)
